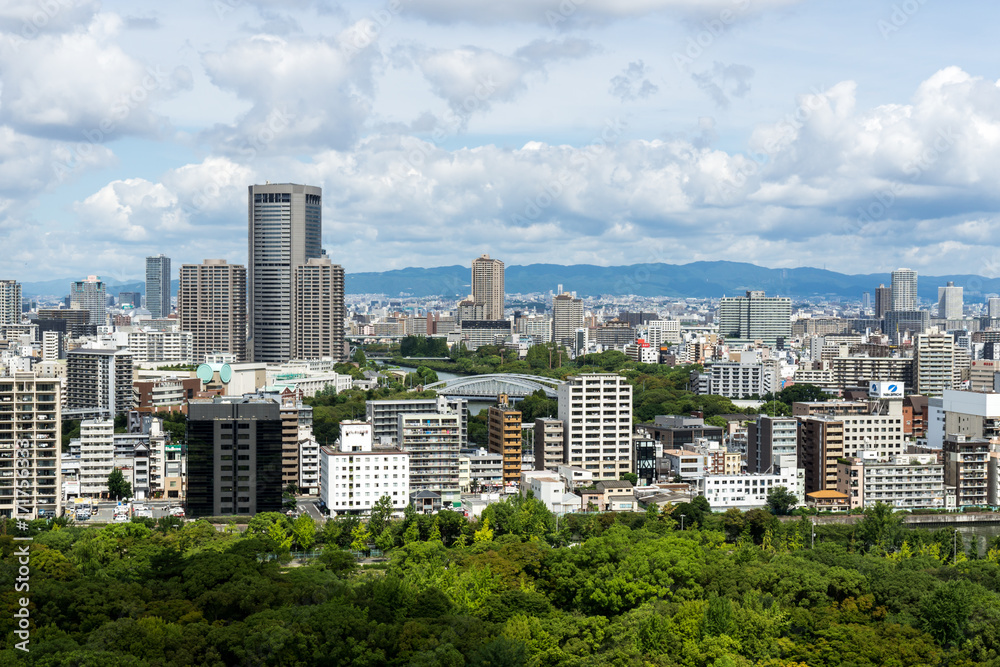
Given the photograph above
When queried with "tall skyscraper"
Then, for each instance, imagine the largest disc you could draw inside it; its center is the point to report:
(285, 231)
(755, 317)
(567, 317)
(318, 310)
(90, 295)
(488, 287)
(883, 300)
(212, 305)
(158, 286)
(904, 289)
(950, 302)
(10, 302)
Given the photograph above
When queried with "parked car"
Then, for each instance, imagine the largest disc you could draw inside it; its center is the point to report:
(177, 511)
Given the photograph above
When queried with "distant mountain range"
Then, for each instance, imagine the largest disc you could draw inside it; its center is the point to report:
(697, 280)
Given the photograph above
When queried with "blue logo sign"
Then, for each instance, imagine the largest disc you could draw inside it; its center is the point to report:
(893, 388)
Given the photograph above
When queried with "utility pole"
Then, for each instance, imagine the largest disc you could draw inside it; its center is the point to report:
(812, 533)
(682, 522)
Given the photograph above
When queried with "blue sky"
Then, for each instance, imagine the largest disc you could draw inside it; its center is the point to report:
(860, 136)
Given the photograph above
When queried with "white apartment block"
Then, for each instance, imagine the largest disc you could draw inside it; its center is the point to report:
(538, 327)
(309, 472)
(744, 491)
(30, 446)
(742, 379)
(938, 364)
(906, 481)
(97, 456)
(151, 347)
(662, 332)
(353, 475)
(596, 410)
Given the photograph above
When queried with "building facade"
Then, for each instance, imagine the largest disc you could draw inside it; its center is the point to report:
(318, 310)
(285, 231)
(354, 475)
(504, 437)
(596, 410)
(30, 447)
(90, 295)
(904, 289)
(567, 317)
(10, 302)
(754, 317)
(99, 380)
(433, 441)
(234, 456)
(158, 286)
(212, 305)
(488, 286)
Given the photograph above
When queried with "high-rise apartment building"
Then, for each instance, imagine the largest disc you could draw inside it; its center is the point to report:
(488, 286)
(755, 317)
(768, 439)
(10, 302)
(950, 302)
(596, 410)
(285, 231)
(938, 364)
(318, 310)
(567, 317)
(158, 286)
(383, 415)
(549, 443)
(30, 446)
(504, 437)
(234, 456)
(99, 381)
(433, 441)
(904, 289)
(90, 295)
(211, 304)
(97, 456)
(993, 307)
(883, 300)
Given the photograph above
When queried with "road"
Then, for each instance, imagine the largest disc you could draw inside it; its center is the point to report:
(106, 510)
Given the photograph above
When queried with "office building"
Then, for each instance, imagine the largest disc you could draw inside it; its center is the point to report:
(950, 302)
(318, 310)
(904, 289)
(383, 415)
(755, 317)
(433, 441)
(285, 231)
(567, 317)
(212, 305)
(30, 434)
(596, 410)
(354, 475)
(549, 443)
(129, 300)
(72, 321)
(899, 323)
(10, 302)
(234, 456)
(99, 382)
(504, 437)
(158, 286)
(90, 295)
(488, 286)
(883, 300)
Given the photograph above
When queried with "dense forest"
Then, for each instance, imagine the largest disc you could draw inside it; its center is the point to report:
(516, 587)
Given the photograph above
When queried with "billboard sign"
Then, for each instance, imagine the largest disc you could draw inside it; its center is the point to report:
(885, 390)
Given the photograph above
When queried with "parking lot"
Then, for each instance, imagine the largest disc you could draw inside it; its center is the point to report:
(106, 510)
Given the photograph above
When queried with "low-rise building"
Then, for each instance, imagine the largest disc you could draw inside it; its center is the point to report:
(906, 481)
(745, 491)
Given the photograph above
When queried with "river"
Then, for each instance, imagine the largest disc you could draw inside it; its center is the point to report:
(474, 406)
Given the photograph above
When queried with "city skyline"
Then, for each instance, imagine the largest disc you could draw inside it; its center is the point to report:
(673, 131)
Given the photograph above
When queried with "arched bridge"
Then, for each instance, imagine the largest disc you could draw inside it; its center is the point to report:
(489, 386)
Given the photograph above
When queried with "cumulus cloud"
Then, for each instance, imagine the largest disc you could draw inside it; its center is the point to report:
(569, 13)
(81, 85)
(305, 93)
(471, 79)
(632, 83)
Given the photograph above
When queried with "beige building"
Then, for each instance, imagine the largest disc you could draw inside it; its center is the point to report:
(318, 310)
(567, 317)
(211, 304)
(938, 364)
(549, 453)
(488, 286)
(30, 446)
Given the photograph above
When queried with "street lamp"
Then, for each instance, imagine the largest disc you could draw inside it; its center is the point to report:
(682, 522)
(955, 547)
(812, 533)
